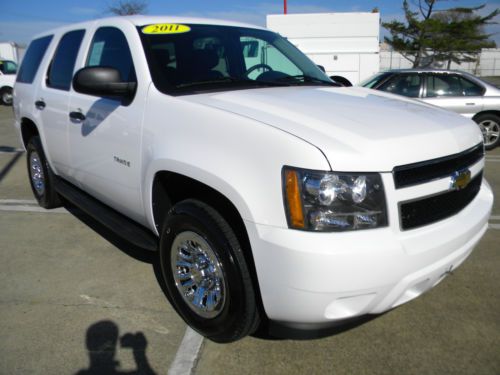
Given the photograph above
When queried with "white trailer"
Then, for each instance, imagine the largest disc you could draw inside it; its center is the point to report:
(345, 44)
(10, 51)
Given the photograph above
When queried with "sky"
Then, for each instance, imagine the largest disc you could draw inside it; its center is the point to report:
(21, 19)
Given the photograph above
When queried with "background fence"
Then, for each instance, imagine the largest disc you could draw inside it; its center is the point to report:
(488, 63)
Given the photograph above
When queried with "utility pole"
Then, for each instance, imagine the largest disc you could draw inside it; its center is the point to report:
(284, 7)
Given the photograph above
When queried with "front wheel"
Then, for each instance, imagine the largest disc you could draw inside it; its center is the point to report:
(490, 126)
(205, 273)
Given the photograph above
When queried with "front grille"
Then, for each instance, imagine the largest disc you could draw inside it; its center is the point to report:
(428, 210)
(418, 173)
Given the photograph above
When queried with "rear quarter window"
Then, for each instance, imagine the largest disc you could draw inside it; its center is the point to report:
(32, 59)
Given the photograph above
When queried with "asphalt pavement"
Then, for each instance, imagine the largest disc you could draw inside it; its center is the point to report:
(76, 299)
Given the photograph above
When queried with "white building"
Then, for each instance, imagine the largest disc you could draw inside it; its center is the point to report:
(345, 44)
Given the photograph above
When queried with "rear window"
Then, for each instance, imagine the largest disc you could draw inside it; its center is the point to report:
(32, 59)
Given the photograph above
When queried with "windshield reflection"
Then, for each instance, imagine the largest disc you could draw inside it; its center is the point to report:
(208, 57)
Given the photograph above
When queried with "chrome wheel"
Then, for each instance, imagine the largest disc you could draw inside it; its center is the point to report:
(198, 274)
(36, 173)
(491, 131)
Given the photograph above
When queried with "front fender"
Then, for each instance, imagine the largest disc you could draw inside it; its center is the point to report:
(239, 157)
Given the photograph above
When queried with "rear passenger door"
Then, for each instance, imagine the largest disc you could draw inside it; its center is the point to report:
(105, 146)
(453, 92)
(52, 98)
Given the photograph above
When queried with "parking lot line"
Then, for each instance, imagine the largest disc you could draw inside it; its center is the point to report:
(187, 354)
(27, 205)
(494, 226)
(29, 208)
(19, 201)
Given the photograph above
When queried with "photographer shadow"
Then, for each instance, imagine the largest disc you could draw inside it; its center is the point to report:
(102, 344)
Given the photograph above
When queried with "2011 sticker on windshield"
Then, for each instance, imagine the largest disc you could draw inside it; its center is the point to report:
(165, 28)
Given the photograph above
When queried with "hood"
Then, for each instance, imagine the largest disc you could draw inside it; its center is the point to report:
(358, 129)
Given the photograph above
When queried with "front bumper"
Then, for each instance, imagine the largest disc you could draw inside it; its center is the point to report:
(312, 279)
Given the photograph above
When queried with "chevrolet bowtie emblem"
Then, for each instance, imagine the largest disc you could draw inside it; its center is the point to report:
(460, 179)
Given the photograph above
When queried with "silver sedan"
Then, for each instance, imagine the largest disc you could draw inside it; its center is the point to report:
(454, 90)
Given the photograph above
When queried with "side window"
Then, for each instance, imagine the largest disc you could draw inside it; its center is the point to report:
(109, 48)
(61, 68)
(443, 85)
(403, 84)
(32, 59)
(470, 88)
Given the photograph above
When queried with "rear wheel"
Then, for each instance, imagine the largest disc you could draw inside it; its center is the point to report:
(490, 126)
(6, 95)
(205, 273)
(41, 176)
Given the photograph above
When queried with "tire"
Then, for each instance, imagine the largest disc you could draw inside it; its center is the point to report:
(6, 95)
(342, 80)
(40, 175)
(205, 273)
(490, 126)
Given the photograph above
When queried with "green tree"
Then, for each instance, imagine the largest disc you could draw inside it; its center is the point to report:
(429, 34)
(462, 35)
(128, 7)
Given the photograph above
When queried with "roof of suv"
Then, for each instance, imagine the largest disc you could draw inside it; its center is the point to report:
(148, 20)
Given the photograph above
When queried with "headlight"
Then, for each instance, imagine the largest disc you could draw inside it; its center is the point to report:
(332, 202)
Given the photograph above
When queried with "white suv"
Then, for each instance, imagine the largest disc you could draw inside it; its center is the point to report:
(270, 193)
(7, 78)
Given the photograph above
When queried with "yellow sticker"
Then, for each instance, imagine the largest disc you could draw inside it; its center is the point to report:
(165, 28)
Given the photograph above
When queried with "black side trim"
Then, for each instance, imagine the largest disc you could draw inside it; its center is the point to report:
(116, 222)
(417, 173)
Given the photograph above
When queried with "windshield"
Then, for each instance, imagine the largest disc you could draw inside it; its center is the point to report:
(194, 58)
(8, 67)
(373, 80)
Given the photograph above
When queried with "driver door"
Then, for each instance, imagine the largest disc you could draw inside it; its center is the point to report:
(105, 133)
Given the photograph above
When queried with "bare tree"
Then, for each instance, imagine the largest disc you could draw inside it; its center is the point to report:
(128, 7)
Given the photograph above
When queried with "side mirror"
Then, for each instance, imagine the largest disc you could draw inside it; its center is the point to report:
(102, 81)
(322, 68)
(342, 80)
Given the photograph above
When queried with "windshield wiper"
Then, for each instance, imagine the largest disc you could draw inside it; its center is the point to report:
(231, 80)
(305, 78)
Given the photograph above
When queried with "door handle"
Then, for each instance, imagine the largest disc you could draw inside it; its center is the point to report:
(40, 104)
(470, 103)
(77, 115)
